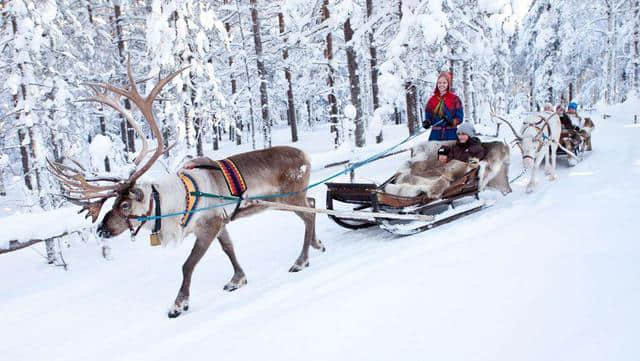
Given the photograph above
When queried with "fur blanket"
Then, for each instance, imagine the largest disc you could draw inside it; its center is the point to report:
(417, 178)
(423, 175)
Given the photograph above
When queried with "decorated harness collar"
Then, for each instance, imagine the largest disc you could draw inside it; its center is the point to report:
(191, 201)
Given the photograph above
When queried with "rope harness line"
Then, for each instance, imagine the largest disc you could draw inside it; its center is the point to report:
(233, 200)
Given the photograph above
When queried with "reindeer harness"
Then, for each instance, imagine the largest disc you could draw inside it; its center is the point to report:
(540, 138)
(191, 201)
(154, 199)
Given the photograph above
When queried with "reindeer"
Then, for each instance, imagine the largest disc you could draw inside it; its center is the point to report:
(273, 171)
(494, 168)
(538, 139)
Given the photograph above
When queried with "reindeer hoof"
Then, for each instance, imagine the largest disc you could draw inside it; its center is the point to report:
(318, 245)
(298, 268)
(176, 310)
(552, 177)
(234, 285)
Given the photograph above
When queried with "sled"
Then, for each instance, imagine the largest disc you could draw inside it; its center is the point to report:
(458, 200)
(577, 155)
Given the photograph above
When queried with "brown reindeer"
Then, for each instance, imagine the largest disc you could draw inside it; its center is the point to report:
(273, 171)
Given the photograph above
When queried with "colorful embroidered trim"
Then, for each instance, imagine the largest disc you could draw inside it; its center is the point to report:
(191, 200)
(232, 176)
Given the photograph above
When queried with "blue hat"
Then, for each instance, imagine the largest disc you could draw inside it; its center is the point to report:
(573, 106)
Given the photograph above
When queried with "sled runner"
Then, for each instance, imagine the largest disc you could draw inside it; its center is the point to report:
(458, 200)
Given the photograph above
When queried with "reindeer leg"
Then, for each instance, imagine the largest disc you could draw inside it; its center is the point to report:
(547, 162)
(569, 145)
(532, 182)
(504, 176)
(203, 241)
(554, 149)
(315, 242)
(238, 280)
(309, 220)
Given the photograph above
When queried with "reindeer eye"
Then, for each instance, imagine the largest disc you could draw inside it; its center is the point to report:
(125, 206)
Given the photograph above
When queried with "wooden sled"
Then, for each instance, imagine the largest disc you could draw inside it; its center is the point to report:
(458, 200)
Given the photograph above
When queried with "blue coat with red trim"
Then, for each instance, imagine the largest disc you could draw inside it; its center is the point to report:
(443, 113)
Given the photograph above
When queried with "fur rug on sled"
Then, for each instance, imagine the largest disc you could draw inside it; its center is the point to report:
(422, 175)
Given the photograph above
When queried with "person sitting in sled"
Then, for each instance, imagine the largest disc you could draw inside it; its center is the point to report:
(467, 146)
(570, 132)
(443, 155)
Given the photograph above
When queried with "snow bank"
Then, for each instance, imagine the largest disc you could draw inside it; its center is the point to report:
(623, 111)
(26, 226)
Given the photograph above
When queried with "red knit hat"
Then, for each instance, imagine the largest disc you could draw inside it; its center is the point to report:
(447, 75)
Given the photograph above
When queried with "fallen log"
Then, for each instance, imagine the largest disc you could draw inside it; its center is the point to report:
(15, 245)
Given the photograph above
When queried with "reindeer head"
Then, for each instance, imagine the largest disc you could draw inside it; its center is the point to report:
(529, 140)
(528, 149)
(91, 193)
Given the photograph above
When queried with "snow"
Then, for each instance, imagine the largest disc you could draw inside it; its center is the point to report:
(551, 275)
(99, 148)
(39, 225)
(350, 111)
(491, 6)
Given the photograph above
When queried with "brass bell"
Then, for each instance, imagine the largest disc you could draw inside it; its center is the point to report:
(154, 239)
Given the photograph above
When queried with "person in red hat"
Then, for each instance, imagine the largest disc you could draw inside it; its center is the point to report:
(443, 111)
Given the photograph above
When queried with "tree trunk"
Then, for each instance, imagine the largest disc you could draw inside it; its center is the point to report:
(611, 51)
(291, 110)
(197, 121)
(246, 71)
(103, 131)
(354, 81)
(102, 120)
(570, 91)
(262, 75)
(216, 135)
(237, 132)
(466, 89)
(412, 106)
(22, 131)
(24, 156)
(333, 109)
(474, 104)
(550, 89)
(532, 99)
(636, 48)
(374, 68)
(128, 131)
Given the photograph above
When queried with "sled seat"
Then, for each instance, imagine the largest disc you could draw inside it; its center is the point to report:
(465, 185)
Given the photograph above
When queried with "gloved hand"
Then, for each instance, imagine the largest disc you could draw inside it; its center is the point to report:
(576, 128)
(426, 124)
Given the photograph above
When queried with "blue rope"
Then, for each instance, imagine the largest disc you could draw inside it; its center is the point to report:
(235, 200)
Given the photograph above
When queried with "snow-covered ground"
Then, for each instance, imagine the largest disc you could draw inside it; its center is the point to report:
(551, 275)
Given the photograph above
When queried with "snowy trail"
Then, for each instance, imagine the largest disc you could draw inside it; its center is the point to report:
(548, 275)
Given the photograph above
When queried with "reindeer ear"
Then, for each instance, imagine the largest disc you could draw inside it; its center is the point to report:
(137, 194)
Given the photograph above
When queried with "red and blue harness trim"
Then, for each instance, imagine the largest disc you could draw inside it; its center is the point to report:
(233, 177)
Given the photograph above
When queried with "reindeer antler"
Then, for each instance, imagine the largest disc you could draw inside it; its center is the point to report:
(493, 114)
(144, 104)
(90, 194)
(82, 191)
